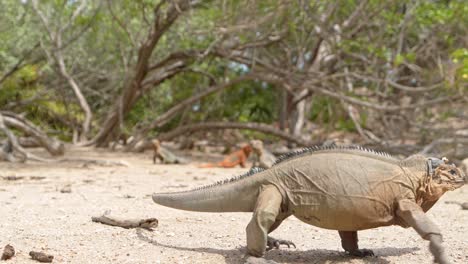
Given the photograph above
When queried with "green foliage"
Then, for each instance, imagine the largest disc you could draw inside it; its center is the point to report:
(104, 46)
(460, 58)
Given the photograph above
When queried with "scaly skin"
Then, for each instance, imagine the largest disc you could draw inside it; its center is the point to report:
(262, 157)
(238, 157)
(344, 189)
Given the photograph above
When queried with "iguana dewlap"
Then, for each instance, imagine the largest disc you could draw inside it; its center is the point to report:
(344, 189)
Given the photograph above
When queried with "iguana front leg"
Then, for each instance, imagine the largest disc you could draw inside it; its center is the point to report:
(349, 242)
(413, 215)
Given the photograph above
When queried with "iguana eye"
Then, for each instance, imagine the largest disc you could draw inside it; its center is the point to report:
(453, 172)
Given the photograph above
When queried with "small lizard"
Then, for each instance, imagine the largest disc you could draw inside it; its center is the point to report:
(163, 154)
(262, 157)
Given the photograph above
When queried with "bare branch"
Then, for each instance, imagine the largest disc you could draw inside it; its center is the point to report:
(18, 65)
(75, 13)
(234, 125)
(121, 24)
(380, 107)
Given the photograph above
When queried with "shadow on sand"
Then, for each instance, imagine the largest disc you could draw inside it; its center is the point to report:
(318, 256)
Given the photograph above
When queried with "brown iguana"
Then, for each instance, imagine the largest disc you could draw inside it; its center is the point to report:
(163, 154)
(340, 188)
(262, 157)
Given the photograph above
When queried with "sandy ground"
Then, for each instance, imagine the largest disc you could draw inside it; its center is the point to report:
(35, 215)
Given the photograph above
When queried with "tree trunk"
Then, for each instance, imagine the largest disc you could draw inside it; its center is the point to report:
(134, 87)
(283, 109)
(79, 95)
(299, 116)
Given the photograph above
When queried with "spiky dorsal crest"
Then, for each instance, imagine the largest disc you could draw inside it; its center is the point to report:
(316, 148)
(252, 171)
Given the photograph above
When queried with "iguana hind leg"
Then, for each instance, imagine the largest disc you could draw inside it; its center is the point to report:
(265, 214)
(349, 242)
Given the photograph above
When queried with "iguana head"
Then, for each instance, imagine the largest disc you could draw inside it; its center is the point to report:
(441, 177)
(247, 150)
(156, 144)
(257, 145)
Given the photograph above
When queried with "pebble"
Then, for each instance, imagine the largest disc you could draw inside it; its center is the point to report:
(170, 234)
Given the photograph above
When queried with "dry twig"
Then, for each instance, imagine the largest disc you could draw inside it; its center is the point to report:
(106, 219)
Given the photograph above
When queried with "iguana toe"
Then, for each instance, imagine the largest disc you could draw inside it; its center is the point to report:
(273, 243)
(362, 253)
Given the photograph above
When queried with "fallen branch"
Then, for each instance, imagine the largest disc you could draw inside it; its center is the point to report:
(53, 146)
(14, 142)
(267, 129)
(106, 219)
(104, 163)
(434, 144)
(464, 205)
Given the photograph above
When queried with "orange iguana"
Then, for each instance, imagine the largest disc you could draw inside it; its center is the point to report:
(238, 157)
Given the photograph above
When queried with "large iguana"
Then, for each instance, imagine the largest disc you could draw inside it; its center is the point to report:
(163, 154)
(262, 157)
(345, 189)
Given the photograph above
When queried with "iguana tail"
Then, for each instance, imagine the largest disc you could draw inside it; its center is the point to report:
(234, 195)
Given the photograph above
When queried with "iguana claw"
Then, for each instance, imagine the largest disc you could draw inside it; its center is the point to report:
(273, 243)
(362, 253)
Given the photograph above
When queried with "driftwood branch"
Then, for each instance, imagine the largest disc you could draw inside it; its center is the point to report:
(106, 219)
(97, 162)
(464, 205)
(14, 142)
(53, 146)
(267, 129)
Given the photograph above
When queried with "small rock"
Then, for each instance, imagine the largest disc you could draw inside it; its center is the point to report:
(66, 189)
(41, 257)
(12, 178)
(8, 252)
(170, 234)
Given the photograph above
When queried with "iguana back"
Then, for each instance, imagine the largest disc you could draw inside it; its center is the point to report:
(344, 189)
